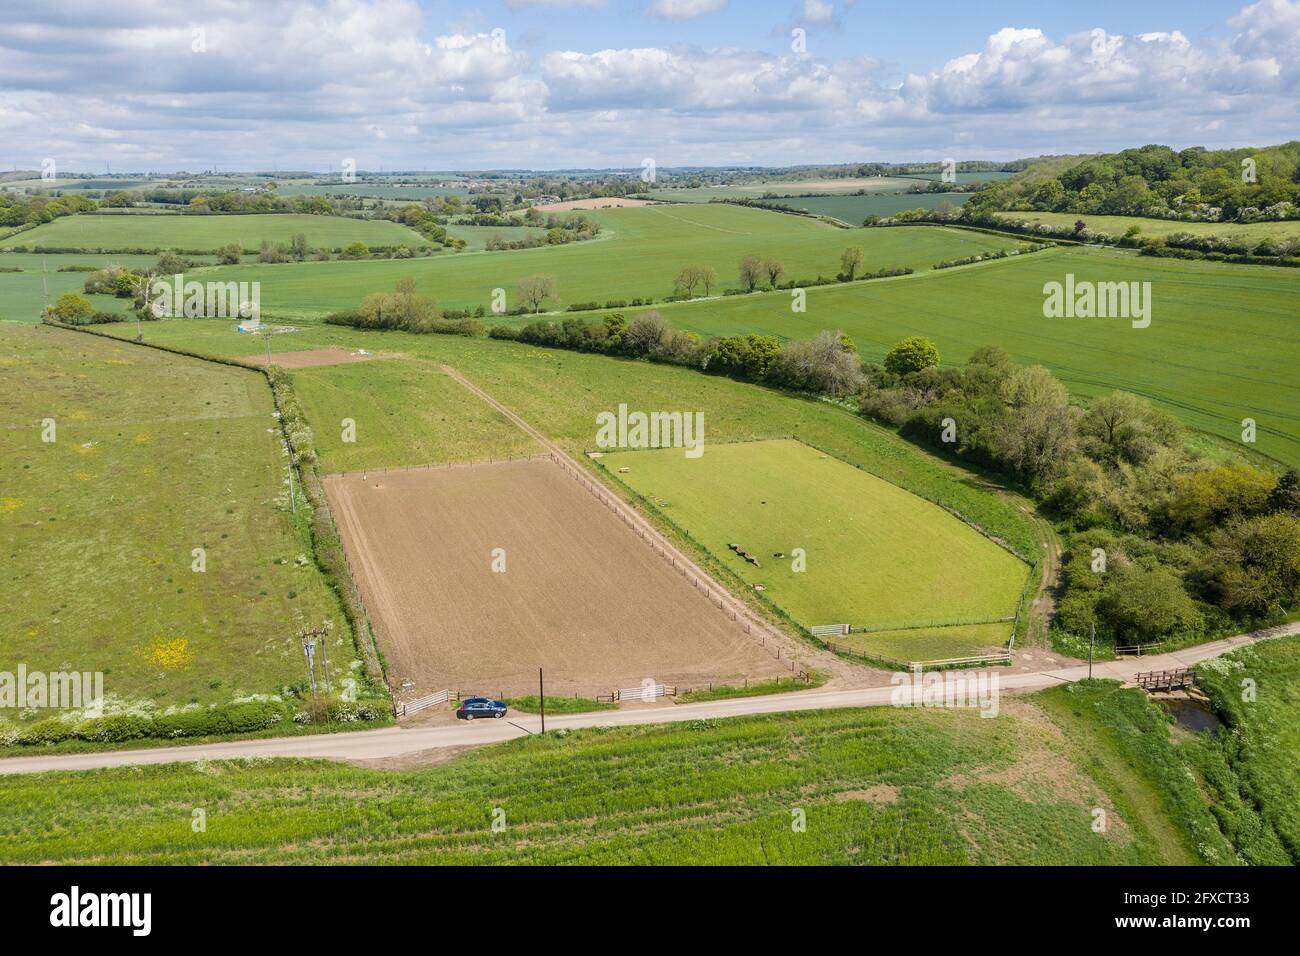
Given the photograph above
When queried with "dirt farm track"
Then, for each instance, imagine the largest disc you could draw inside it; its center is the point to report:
(581, 596)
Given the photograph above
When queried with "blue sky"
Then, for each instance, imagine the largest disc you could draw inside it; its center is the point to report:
(146, 85)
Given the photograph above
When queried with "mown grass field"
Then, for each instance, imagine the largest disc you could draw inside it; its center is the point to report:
(876, 556)
(23, 294)
(638, 255)
(928, 643)
(1220, 348)
(875, 786)
(1117, 226)
(154, 455)
(208, 232)
(561, 393)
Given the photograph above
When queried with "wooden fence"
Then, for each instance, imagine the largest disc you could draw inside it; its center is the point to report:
(1178, 679)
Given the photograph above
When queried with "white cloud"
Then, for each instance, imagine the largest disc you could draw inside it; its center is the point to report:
(304, 82)
(685, 9)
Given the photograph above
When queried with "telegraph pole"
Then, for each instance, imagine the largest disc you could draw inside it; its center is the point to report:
(1092, 644)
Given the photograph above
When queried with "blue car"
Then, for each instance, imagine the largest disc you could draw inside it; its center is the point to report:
(472, 707)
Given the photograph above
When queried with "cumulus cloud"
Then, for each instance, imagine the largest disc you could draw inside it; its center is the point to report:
(685, 9)
(303, 82)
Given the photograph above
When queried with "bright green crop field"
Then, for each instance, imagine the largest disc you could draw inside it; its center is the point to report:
(93, 232)
(1116, 226)
(875, 556)
(875, 786)
(638, 255)
(1221, 347)
(153, 455)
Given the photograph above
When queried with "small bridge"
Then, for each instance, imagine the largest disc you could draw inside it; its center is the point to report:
(1153, 681)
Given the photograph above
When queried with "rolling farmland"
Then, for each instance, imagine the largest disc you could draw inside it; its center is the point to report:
(196, 232)
(639, 254)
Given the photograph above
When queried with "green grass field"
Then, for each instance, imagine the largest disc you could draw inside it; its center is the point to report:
(1220, 348)
(154, 455)
(476, 237)
(876, 556)
(1116, 226)
(757, 190)
(23, 294)
(854, 209)
(638, 255)
(876, 786)
(208, 232)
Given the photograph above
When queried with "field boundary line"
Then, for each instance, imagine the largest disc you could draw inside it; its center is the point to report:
(769, 638)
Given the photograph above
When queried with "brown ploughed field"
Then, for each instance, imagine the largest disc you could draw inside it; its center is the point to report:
(581, 596)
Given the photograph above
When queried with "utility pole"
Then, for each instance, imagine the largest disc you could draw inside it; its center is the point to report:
(1092, 644)
(309, 649)
(541, 698)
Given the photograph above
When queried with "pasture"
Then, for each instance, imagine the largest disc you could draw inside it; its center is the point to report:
(1220, 347)
(1117, 226)
(638, 255)
(153, 455)
(23, 294)
(476, 576)
(208, 232)
(854, 209)
(874, 555)
(777, 187)
(878, 786)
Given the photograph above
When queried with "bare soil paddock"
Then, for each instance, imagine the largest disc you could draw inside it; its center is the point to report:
(582, 595)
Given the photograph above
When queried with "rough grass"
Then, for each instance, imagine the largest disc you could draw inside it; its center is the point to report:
(1254, 767)
(208, 232)
(876, 786)
(155, 455)
(874, 555)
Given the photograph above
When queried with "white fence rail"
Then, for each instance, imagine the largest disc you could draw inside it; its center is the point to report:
(422, 703)
(644, 692)
(827, 630)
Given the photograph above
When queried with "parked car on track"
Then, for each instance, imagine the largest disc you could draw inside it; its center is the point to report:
(472, 707)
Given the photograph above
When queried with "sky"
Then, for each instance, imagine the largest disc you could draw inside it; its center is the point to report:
(144, 86)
